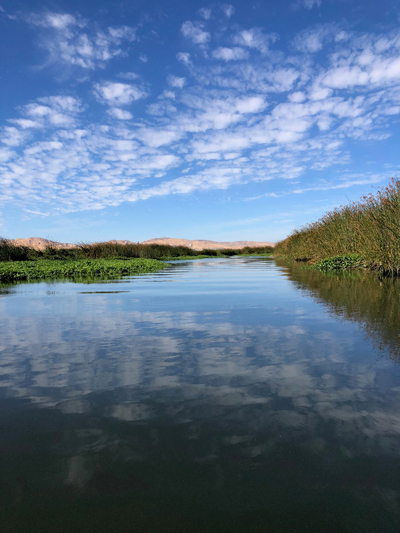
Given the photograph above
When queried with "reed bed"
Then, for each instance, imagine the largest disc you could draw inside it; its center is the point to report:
(11, 252)
(108, 250)
(369, 228)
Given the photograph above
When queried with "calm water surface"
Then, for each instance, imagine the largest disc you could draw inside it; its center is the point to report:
(225, 395)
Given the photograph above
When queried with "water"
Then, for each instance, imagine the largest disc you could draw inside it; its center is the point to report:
(218, 395)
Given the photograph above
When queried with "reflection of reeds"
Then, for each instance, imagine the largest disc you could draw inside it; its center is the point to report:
(360, 297)
(370, 227)
(107, 250)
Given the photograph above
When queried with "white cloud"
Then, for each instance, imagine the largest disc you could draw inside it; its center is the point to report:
(57, 111)
(37, 110)
(297, 96)
(25, 123)
(65, 104)
(184, 57)
(44, 147)
(120, 114)
(58, 21)
(37, 213)
(230, 54)
(343, 77)
(195, 33)
(143, 58)
(307, 4)
(128, 75)
(6, 154)
(205, 13)
(255, 38)
(222, 143)
(262, 76)
(12, 136)
(319, 93)
(48, 116)
(221, 178)
(75, 42)
(169, 94)
(346, 183)
(378, 71)
(273, 116)
(117, 94)
(228, 10)
(175, 81)
(158, 137)
(313, 40)
(251, 104)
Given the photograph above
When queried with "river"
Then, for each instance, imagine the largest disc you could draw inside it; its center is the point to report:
(218, 395)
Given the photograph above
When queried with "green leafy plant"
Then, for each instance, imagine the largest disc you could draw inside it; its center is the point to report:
(339, 262)
(81, 268)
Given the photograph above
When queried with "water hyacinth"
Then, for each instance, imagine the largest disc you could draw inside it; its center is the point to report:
(84, 268)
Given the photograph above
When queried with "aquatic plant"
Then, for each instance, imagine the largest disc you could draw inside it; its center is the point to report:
(369, 227)
(339, 262)
(49, 269)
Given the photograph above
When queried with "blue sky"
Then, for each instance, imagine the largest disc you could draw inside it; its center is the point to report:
(176, 118)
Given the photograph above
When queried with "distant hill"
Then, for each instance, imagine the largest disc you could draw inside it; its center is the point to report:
(38, 243)
(210, 245)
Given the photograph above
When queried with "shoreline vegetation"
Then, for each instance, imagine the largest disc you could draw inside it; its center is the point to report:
(45, 269)
(363, 234)
(100, 260)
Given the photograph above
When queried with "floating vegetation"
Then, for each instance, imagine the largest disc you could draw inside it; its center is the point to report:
(81, 268)
(369, 228)
(339, 262)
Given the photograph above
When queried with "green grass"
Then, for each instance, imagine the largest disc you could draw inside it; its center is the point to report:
(41, 269)
(369, 228)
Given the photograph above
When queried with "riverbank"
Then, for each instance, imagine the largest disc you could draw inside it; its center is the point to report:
(105, 268)
(107, 250)
(363, 234)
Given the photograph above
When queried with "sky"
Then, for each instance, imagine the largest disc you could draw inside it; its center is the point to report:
(230, 121)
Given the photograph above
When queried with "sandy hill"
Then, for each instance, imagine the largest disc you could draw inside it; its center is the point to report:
(39, 243)
(210, 245)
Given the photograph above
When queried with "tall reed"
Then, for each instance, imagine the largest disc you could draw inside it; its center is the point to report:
(108, 250)
(12, 252)
(369, 227)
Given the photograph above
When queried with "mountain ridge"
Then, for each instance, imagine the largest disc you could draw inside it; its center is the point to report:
(39, 243)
